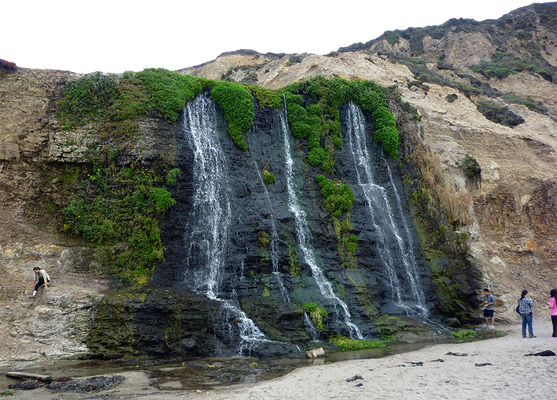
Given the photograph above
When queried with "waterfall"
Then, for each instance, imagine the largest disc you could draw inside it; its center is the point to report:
(207, 228)
(274, 247)
(304, 239)
(382, 219)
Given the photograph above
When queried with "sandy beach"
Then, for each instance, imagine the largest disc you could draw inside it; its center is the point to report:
(485, 369)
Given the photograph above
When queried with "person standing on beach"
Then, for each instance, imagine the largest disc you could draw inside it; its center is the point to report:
(489, 310)
(41, 278)
(525, 306)
(553, 307)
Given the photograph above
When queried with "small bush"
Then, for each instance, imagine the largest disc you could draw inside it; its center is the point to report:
(316, 314)
(466, 334)
(295, 59)
(471, 166)
(236, 102)
(338, 198)
(7, 66)
(268, 177)
(346, 344)
(499, 114)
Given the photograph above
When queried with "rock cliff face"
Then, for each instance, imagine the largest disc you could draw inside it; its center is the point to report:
(434, 71)
(509, 232)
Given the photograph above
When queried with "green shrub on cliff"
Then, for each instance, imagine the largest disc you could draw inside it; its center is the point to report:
(170, 91)
(316, 314)
(122, 205)
(338, 198)
(87, 99)
(236, 101)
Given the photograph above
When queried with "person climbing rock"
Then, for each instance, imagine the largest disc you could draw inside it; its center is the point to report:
(41, 278)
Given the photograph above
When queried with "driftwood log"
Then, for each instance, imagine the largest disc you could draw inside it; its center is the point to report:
(27, 375)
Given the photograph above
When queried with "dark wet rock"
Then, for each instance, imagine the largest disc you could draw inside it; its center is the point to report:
(416, 364)
(94, 384)
(28, 384)
(354, 378)
(545, 353)
(483, 364)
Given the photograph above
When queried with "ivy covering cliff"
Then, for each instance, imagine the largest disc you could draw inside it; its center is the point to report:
(115, 204)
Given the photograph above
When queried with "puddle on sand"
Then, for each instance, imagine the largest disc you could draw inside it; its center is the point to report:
(207, 373)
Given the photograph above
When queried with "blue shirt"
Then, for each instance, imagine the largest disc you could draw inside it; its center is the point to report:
(490, 299)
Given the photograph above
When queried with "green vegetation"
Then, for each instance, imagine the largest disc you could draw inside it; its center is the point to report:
(504, 64)
(346, 344)
(268, 177)
(471, 166)
(293, 258)
(466, 334)
(236, 102)
(499, 114)
(530, 104)
(122, 204)
(347, 244)
(169, 91)
(338, 198)
(6, 392)
(316, 314)
(117, 102)
(392, 37)
(351, 243)
(125, 204)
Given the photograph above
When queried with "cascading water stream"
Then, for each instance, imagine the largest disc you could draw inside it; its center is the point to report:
(274, 247)
(303, 236)
(208, 223)
(381, 217)
(406, 244)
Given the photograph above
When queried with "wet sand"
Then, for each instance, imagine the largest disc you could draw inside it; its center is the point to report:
(485, 369)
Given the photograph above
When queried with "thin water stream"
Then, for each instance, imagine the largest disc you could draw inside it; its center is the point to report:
(395, 244)
(303, 237)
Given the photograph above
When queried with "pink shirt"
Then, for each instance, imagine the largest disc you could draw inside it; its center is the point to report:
(553, 306)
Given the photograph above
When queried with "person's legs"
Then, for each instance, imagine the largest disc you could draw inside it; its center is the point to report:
(529, 319)
(38, 285)
(524, 323)
(554, 322)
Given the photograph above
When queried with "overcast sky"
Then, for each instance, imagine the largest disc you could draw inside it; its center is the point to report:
(121, 35)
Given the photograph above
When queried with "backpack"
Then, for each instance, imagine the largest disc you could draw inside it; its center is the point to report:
(518, 307)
